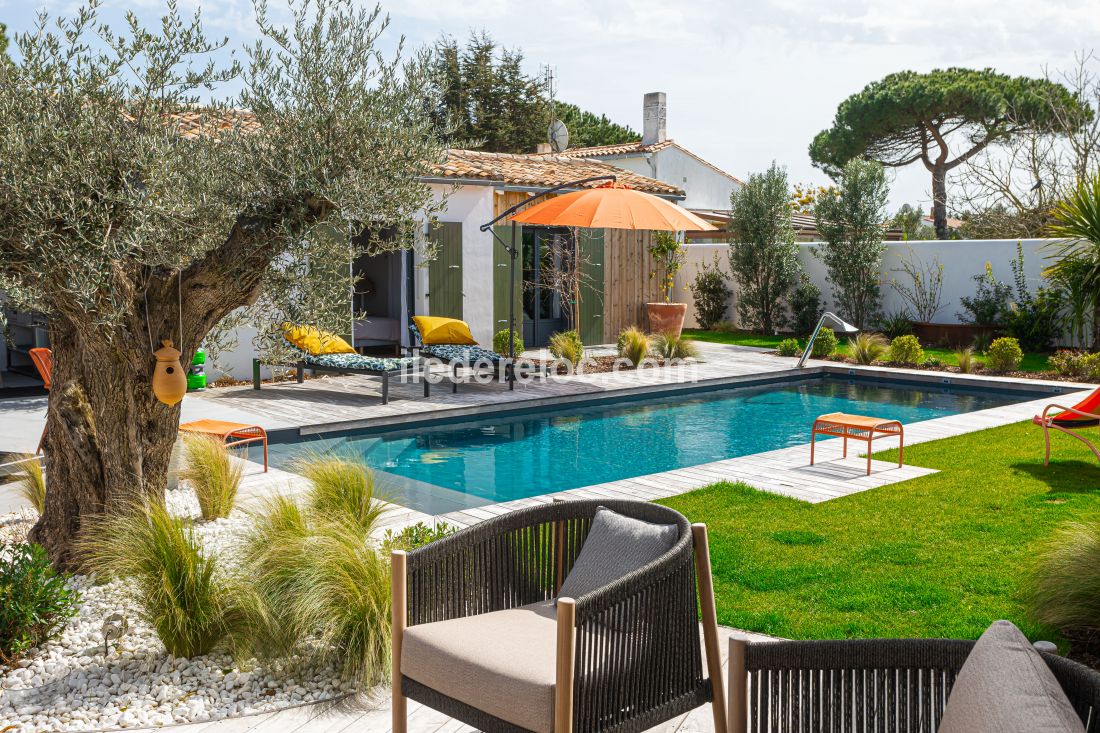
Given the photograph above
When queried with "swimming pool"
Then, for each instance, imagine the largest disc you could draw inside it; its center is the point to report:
(444, 467)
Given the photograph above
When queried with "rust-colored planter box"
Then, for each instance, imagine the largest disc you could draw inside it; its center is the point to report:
(955, 335)
(666, 317)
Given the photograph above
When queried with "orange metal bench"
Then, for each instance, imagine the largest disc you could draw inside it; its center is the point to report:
(238, 433)
(857, 427)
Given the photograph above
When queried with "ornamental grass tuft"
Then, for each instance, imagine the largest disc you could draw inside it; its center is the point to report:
(176, 585)
(1063, 588)
(32, 483)
(670, 346)
(212, 473)
(866, 348)
(633, 345)
(321, 587)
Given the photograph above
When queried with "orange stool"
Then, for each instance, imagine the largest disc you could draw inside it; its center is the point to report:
(857, 427)
(238, 433)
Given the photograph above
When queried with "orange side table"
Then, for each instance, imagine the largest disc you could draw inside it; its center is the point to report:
(857, 427)
(237, 433)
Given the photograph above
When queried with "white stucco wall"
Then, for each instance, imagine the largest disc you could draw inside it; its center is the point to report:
(962, 260)
(705, 187)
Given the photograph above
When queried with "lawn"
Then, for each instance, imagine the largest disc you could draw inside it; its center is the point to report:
(1031, 362)
(937, 556)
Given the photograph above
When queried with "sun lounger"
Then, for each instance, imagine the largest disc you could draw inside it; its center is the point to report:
(1085, 414)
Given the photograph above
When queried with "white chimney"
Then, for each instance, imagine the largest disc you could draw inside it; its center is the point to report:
(654, 112)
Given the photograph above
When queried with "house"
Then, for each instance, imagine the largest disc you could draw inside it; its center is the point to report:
(706, 187)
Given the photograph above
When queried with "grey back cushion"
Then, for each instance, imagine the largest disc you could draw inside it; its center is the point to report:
(1005, 687)
(616, 545)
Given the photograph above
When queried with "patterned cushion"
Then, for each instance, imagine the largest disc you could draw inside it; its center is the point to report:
(461, 353)
(357, 361)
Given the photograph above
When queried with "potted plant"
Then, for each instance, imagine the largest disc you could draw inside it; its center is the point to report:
(668, 257)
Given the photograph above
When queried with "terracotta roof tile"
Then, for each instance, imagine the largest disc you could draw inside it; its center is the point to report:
(541, 170)
(193, 123)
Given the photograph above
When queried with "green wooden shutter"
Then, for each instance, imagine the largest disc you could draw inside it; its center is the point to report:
(501, 269)
(591, 286)
(445, 271)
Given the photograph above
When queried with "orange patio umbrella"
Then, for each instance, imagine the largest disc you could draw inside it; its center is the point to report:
(612, 206)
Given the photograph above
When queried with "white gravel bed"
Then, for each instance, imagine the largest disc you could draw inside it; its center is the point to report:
(72, 685)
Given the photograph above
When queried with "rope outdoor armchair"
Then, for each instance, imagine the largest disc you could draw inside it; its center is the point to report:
(626, 656)
(887, 685)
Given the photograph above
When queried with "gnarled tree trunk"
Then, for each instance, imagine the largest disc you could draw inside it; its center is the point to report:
(108, 438)
(939, 201)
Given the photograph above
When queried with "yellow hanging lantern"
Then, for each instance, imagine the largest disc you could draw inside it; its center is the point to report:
(169, 379)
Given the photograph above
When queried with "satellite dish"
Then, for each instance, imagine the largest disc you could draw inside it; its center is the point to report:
(559, 136)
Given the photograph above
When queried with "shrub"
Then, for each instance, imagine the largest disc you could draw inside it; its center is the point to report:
(989, 302)
(212, 474)
(342, 489)
(806, 307)
(414, 536)
(763, 258)
(176, 587)
(710, 293)
(1063, 589)
(1034, 320)
(725, 327)
(316, 576)
(633, 345)
(1004, 354)
(567, 345)
(1076, 364)
(906, 350)
(932, 362)
(35, 601)
(670, 346)
(500, 342)
(850, 221)
(982, 341)
(966, 360)
(898, 323)
(32, 482)
(825, 344)
(789, 347)
(867, 347)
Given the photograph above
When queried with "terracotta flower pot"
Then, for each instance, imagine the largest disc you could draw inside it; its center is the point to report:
(666, 317)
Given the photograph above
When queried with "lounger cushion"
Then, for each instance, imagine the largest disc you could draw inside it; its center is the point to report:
(502, 663)
(438, 330)
(1005, 687)
(314, 341)
(354, 362)
(615, 546)
(462, 354)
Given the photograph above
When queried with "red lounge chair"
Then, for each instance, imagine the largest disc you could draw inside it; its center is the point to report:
(43, 362)
(1085, 414)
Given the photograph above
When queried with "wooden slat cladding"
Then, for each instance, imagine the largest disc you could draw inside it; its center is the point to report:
(627, 285)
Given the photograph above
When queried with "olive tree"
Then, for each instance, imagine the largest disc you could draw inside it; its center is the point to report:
(140, 201)
(850, 219)
(941, 119)
(763, 255)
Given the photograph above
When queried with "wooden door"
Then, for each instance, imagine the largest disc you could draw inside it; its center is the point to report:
(591, 286)
(502, 267)
(445, 271)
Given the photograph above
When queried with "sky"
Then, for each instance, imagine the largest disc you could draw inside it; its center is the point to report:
(747, 82)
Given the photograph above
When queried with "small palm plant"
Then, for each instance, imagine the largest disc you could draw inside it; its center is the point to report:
(670, 346)
(633, 345)
(866, 348)
(32, 483)
(213, 474)
(176, 585)
(1077, 225)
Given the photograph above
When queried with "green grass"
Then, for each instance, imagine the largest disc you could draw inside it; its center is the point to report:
(1031, 362)
(938, 556)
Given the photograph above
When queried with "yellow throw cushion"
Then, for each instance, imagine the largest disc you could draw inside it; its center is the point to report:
(314, 341)
(439, 330)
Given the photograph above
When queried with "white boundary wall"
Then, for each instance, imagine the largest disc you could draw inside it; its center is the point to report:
(961, 259)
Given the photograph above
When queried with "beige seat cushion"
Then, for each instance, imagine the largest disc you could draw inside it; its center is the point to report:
(502, 663)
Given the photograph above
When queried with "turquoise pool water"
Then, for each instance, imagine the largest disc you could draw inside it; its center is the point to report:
(441, 468)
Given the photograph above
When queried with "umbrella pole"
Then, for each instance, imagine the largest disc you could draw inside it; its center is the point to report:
(511, 371)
